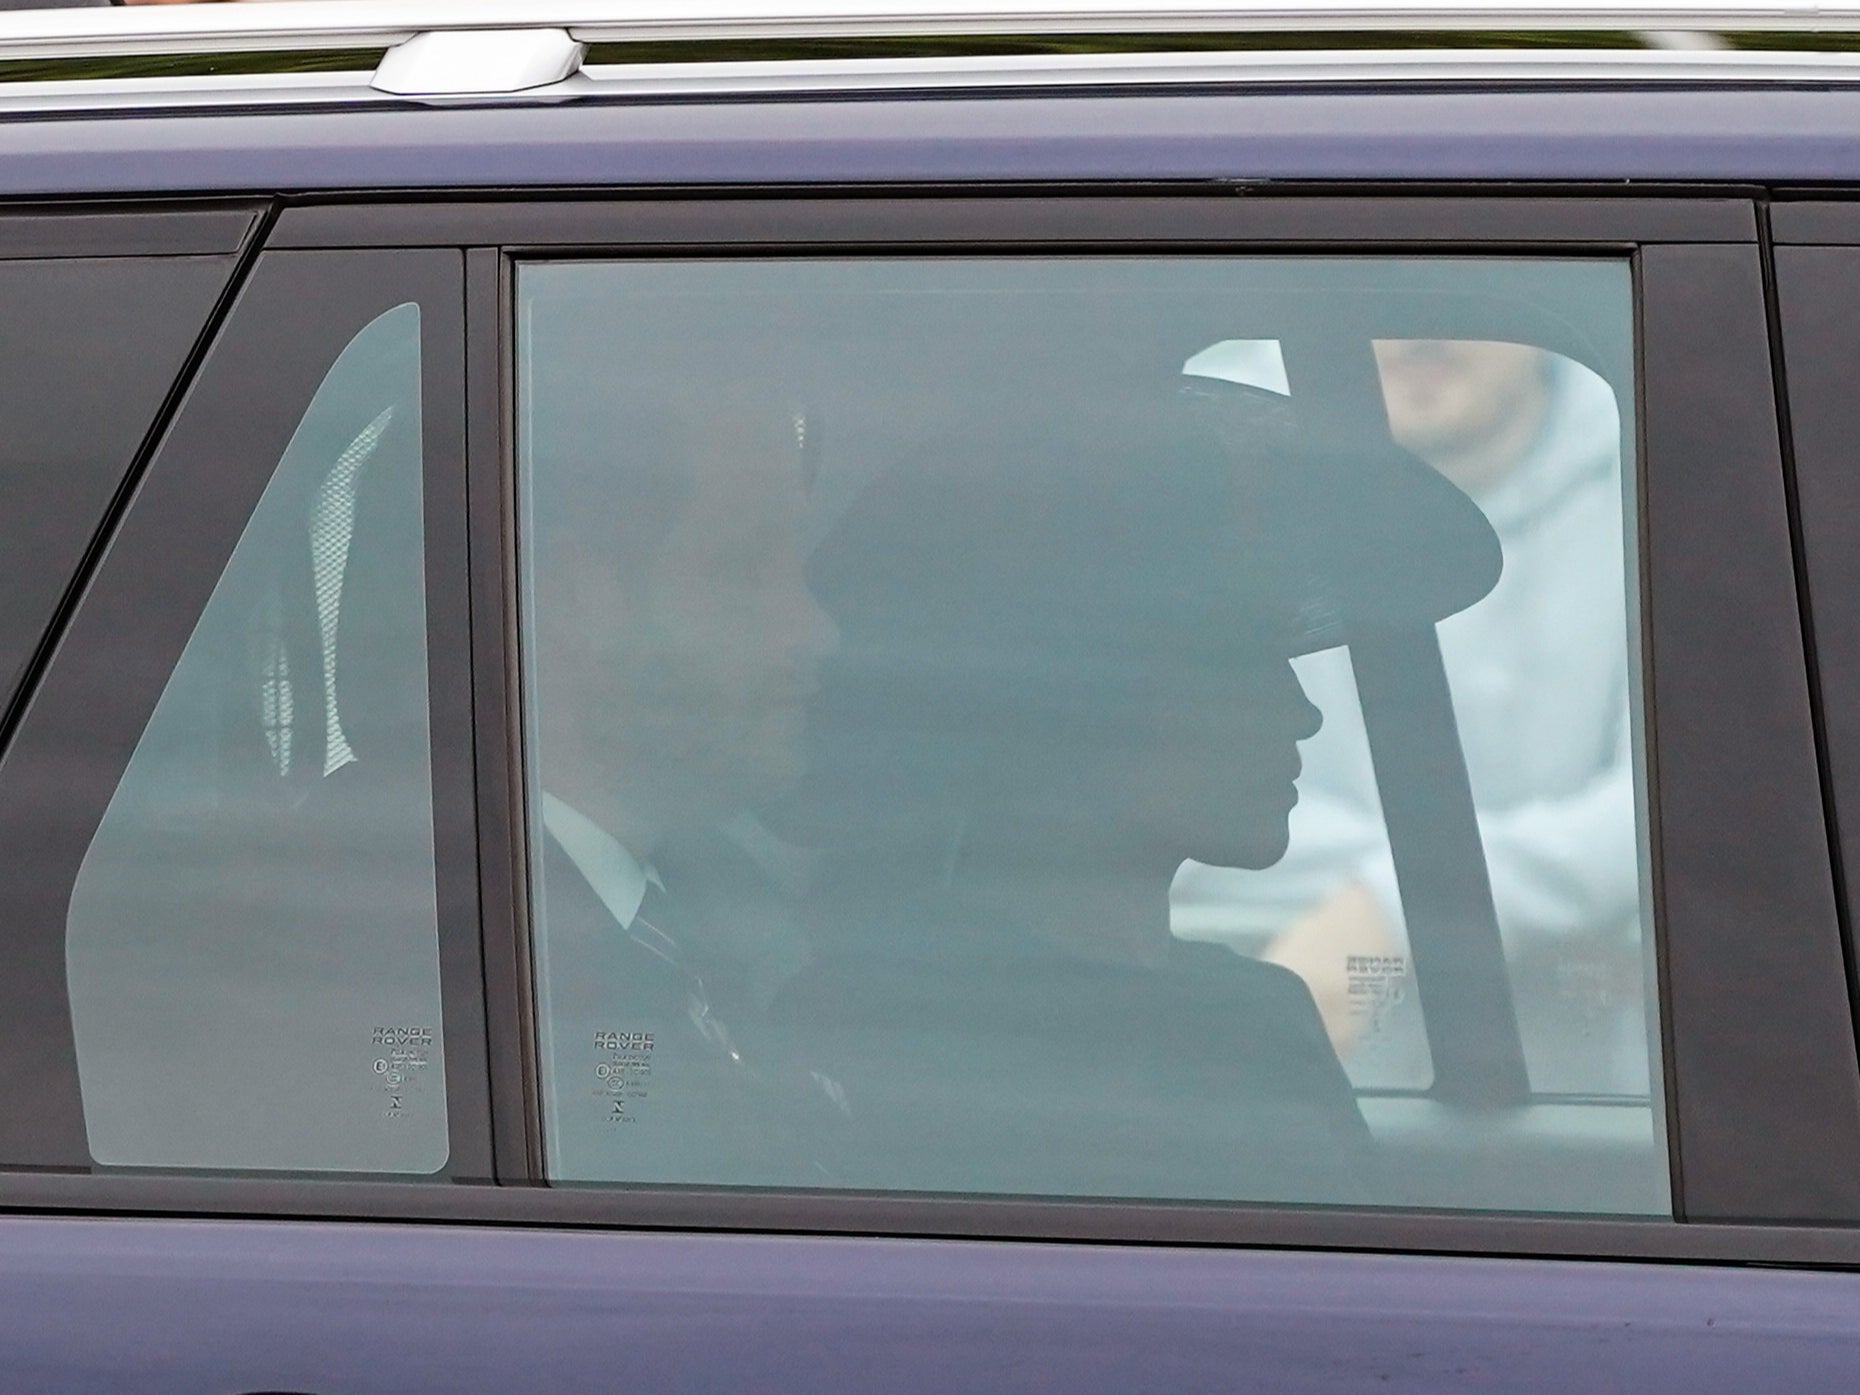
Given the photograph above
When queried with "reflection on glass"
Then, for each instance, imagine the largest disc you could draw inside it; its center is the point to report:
(896, 633)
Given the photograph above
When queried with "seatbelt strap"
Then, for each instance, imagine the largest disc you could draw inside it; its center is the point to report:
(1414, 743)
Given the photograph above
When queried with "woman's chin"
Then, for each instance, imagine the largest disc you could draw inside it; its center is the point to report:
(1250, 850)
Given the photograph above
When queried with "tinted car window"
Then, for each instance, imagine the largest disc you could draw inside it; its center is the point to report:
(899, 633)
(91, 348)
(256, 916)
(220, 801)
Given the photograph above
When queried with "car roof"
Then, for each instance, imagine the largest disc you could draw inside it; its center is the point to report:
(426, 94)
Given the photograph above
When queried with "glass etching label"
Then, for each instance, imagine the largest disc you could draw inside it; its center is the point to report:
(622, 1075)
(405, 1053)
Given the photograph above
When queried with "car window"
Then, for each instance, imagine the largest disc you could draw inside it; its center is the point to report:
(92, 347)
(944, 771)
(251, 938)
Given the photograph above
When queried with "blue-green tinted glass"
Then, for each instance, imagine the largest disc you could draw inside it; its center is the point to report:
(252, 940)
(971, 709)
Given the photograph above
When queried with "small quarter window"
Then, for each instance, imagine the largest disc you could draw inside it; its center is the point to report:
(251, 942)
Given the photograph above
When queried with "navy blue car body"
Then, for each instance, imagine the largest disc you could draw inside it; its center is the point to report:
(1734, 200)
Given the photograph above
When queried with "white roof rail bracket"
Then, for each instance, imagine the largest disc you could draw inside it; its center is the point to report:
(475, 62)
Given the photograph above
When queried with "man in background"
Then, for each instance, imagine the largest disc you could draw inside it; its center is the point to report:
(1539, 672)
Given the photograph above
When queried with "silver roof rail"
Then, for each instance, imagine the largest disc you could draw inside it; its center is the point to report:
(452, 49)
(323, 24)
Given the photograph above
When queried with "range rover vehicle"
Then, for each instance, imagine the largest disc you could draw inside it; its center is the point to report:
(1012, 697)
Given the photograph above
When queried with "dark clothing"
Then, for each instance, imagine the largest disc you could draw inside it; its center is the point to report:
(658, 1070)
(968, 1057)
(934, 1052)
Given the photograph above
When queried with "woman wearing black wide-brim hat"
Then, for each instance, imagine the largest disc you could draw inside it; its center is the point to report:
(1064, 669)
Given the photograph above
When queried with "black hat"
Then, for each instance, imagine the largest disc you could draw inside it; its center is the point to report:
(1097, 541)
(1357, 539)
(1013, 594)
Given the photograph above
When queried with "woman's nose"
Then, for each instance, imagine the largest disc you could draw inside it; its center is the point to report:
(1311, 718)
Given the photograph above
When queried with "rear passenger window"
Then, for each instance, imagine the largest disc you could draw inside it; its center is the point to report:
(1088, 727)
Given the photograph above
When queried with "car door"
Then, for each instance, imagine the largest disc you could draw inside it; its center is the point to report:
(1708, 248)
(302, 1028)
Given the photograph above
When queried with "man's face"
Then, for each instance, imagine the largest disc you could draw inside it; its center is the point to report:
(700, 656)
(1449, 398)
